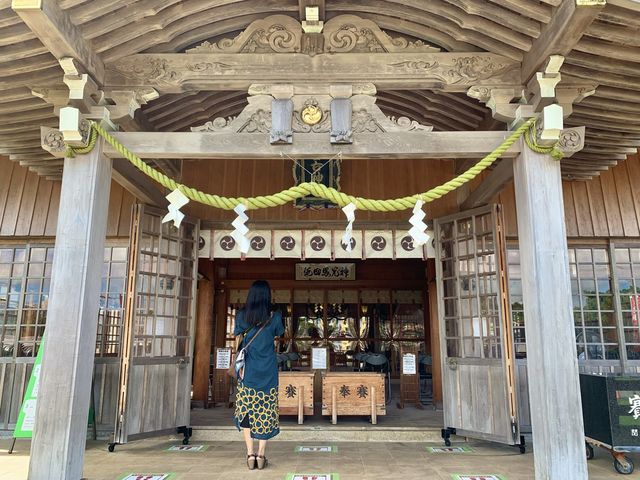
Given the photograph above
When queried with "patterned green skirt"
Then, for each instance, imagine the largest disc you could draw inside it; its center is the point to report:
(261, 410)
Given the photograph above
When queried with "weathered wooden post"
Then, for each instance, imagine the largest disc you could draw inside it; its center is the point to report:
(554, 391)
(57, 449)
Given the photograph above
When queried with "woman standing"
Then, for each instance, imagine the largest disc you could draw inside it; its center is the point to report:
(257, 398)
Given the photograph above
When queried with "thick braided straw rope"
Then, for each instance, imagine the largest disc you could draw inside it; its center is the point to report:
(530, 136)
(310, 188)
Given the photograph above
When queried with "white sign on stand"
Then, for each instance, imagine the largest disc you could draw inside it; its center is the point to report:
(318, 359)
(409, 364)
(223, 358)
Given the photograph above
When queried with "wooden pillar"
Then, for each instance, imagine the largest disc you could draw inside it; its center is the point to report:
(554, 390)
(62, 412)
(436, 368)
(220, 320)
(203, 333)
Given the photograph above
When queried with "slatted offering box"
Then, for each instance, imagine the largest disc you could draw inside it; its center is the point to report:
(295, 395)
(353, 393)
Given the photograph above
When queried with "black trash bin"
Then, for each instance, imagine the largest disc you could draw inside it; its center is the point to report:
(611, 413)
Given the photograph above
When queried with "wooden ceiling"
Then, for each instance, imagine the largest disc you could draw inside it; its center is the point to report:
(608, 54)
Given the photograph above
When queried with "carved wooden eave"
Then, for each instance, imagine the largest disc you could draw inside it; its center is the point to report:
(600, 47)
(275, 50)
(341, 34)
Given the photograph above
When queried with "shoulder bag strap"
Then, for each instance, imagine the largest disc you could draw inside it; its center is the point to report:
(257, 333)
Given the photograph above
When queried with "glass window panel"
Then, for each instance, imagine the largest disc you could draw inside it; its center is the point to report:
(608, 319)
(633, 352)
(453, 348)
(604, 285)
(13, 301)
(19, 255)
(612, 352)
(592, 335)
(18, 270)
(451, 327)
(610, 335)
(595, 352)
(464, 227)
(119, 254)
(591, 318)
(6, 255)
(472, 347)
(583, 255)
(450, 307)
(116, 285)
(606, 302)
(587, 285)
(622, 255)
(38, 254)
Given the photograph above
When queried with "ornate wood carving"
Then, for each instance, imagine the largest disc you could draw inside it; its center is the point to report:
(273, 34)
(352, 34)
(341, 34)
(365, 116)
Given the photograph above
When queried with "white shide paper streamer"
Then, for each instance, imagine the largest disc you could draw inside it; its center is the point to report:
(177, 200)
(417, 231)
(349, 210)
(241, 230)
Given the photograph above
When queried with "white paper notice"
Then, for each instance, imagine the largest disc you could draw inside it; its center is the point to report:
(409, 364)
(29, 415)
(318, 358)
(36, 383)
(223, 358)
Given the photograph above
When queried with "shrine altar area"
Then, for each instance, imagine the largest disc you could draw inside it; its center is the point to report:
(408, 425)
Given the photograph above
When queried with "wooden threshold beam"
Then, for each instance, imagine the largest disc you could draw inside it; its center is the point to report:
(569, 22)
(58, 34)
(493, 184)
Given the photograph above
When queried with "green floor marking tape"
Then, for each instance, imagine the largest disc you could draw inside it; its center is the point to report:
(449, 449)
(148, 476)
(313, 476)
(473, 476)
(187, 448)
(316, 449)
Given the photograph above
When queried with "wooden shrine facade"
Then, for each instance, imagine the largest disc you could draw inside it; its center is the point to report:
(318, 82)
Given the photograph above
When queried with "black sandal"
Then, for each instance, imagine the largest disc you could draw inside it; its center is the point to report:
(262, 462)
(251, 461)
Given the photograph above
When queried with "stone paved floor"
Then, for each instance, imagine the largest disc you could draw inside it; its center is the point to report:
(358, 461)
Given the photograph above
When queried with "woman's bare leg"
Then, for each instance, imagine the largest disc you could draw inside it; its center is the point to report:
(246, 432)
(262, 447)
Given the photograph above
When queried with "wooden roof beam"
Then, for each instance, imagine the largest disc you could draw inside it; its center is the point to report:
(178, 72)
(569, 22)
(58, 34)
(493, 184)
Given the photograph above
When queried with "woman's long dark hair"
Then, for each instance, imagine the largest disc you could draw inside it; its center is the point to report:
(258, 306)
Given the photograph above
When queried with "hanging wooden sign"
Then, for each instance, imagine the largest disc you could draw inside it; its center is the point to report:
(325, 271)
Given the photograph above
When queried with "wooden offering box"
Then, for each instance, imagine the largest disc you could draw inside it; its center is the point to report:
(295, 394)
(352, 393)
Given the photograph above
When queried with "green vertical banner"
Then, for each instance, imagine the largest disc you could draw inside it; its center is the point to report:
(27, 415)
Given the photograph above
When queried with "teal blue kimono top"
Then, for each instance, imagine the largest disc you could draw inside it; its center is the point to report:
(261, 365)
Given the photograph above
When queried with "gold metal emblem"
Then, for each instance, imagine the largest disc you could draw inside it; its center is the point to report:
(311, 114)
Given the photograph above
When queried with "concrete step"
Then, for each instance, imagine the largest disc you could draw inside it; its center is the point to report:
(328, 433)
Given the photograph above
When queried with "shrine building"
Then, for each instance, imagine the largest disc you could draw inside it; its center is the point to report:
(444, 196)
